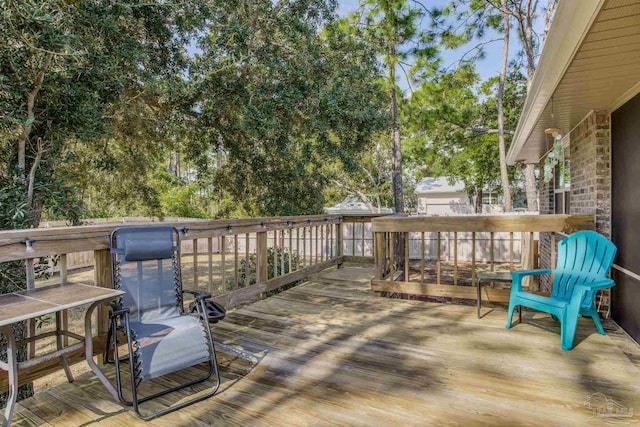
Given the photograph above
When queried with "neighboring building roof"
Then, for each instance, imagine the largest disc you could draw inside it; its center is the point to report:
(353, 205)
(589, 62)
(438, 185)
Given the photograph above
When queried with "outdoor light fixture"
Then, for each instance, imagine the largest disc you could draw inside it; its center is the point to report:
(554, 130)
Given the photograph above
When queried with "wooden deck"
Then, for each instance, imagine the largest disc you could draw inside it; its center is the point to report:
(328, 352)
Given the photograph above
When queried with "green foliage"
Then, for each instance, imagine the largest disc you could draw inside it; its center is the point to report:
(452, 123)
(280, 88)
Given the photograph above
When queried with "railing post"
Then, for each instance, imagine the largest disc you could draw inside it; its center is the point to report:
(339, 240)
(102, 278)
(261, 257)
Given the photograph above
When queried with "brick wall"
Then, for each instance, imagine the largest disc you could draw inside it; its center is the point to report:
(590, 148)
(544, 251)
(590, 153)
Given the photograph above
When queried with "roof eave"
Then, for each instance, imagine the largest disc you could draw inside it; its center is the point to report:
(570, 26)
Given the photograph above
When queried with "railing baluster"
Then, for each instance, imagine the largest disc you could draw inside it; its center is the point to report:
(455, 258)
(362, 237)
(422, 257)
(321, 243)
(210, 261)
(275, 253)
(282, 251)
(64, 277)
(392, 254)
(235, 261)
(31, 284)
(195, 263)
(473, 258)
(304, 247)
(247, 247)
(298, 248)
(315, 255)
(407, 241)
(290, 231)
(491, 248)
(353, 239)
(511, 250)
(553, 250)
(223, 253)
(438, 254)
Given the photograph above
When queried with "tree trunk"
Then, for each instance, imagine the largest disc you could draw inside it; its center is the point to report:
(477, 206)
(530, 184)
(504, 177)
(177, 163)
(551, 6)
(396, 149)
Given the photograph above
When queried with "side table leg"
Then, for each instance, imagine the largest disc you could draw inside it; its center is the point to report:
(59, 345)
(88, 346)
(12, 369)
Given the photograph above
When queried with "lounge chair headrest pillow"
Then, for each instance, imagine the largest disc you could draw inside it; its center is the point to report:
(143, 250)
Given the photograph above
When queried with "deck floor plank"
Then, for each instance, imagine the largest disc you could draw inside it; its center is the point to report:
(329, 352)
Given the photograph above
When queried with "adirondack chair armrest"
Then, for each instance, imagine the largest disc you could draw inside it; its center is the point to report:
(199, 295)
(595, 286)
(519, 275)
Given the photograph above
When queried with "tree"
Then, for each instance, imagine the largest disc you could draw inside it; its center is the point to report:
(472, 18)
(451, 121)
(475, 16)
(366, 175)
(504, 177)
(281, 88)
(66, 69)
(393, 28)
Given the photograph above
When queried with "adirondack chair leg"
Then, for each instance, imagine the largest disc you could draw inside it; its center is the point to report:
(512, 307)
(596, 318)
(568, 325)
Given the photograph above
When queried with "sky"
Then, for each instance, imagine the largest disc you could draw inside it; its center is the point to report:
(487, 67)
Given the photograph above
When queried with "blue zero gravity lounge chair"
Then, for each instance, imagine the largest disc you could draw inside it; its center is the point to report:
(584, 259)
(161, 337)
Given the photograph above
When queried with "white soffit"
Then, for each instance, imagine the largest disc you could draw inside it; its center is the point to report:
(591, 61)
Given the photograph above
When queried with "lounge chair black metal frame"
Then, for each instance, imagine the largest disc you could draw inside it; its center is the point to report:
(166, 317)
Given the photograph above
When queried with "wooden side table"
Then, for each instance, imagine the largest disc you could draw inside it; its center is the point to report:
(492, 276)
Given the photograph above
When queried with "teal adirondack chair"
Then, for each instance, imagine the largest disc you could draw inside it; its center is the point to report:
(584, 259)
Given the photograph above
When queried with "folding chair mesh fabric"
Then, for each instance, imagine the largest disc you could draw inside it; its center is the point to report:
(164, 339)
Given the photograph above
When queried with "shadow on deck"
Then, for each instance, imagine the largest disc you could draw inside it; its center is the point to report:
(328, 352)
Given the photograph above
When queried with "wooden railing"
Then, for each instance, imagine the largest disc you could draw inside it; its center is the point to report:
(237, 260)
(409, 254)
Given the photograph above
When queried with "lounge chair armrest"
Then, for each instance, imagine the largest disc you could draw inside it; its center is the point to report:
(199, 295)
(117, 309)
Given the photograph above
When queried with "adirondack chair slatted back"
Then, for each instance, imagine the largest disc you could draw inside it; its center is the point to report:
(583, 257)
(146, 268)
